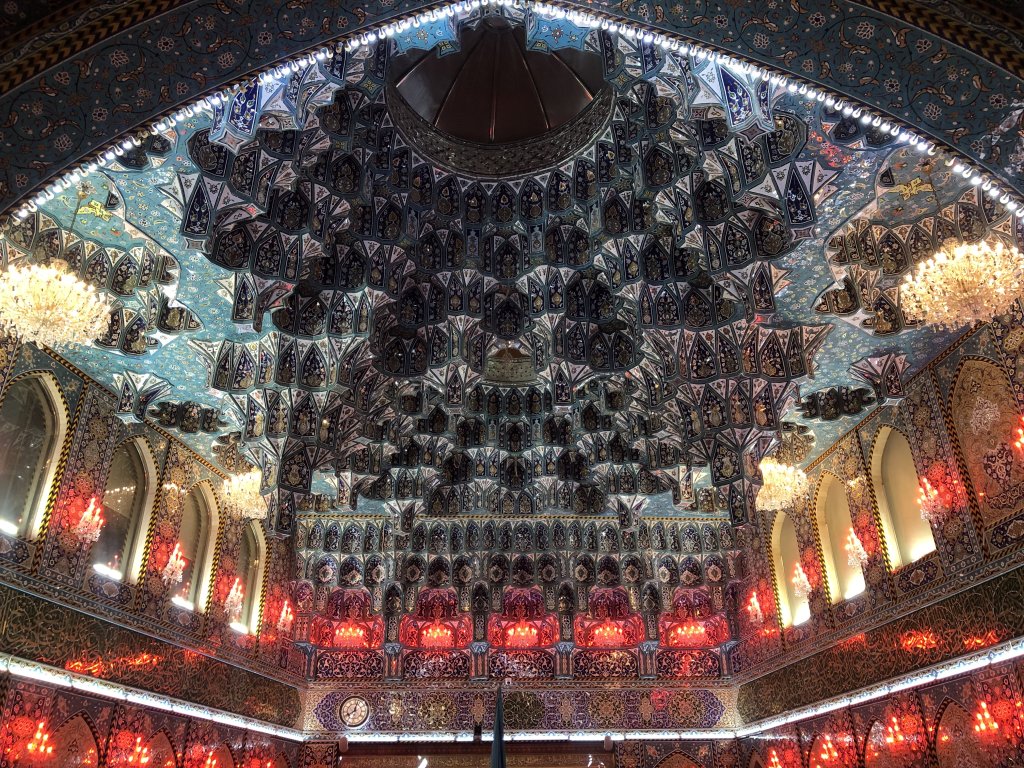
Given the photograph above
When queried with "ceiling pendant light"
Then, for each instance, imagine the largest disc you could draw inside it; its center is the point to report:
(48, 304)
(783, 485)
(242, 493)
(964, 283)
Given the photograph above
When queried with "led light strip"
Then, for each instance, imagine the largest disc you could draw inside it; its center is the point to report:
(58, 678)
(1012, 649)
(992, 186)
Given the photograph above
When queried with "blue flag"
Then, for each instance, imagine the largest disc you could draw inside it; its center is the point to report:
(498, 745)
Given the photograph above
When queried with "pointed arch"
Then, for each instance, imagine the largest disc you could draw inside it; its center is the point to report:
(956, 743)
(33, 428)
(252, 565)
(161, 752)
(986, 444)
(128, 508)
(200, 525)
(908, 536)
(834, 522)
(792, 608)
(75, 744)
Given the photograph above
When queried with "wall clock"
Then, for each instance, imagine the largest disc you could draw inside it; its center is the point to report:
(354, 711)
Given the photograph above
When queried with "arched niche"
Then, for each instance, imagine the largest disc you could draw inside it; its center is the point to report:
(879, 752)
(956, 743)
(161, 753)
(908, 536)
(197, 536)
(985, 418)
(33, 427)
(793, 608)
(127, 508)
(74, 745)
(677, 760)
(832, 516)
(251, 567)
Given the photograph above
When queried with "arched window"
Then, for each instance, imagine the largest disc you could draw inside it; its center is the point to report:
(794, 609)
(985, 419)
(197, 537)
(32, 430)
(127, 499)
(251, 563)
(834, 524)
(908, 536)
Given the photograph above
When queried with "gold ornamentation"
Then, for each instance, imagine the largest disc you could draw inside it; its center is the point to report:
(964, 284)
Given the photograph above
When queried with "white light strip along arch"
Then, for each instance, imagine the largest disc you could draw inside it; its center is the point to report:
(992, 186)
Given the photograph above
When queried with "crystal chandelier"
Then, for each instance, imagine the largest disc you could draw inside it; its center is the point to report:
(783, 485)
(965, 283)
(173, 572)
(801, 584)
(90, 524)
(234, 601)
(930, 502)
(856, 555)
(242, 492)
(48, 304)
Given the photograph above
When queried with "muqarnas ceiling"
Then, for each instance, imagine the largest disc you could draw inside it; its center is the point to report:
(570, 339)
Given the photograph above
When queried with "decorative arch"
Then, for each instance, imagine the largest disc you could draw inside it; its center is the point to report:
(834, 521)
(956, 743)
(161, 752)
(677, 760)
(252, 568)
(985, 417)
(46, 154)
(880, 753)
(127, 507)
(908, 536)
(197, 535)
(792, 608)
(34, 420)
(75, 744)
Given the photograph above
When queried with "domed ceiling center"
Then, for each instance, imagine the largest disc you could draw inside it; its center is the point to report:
(494, 90)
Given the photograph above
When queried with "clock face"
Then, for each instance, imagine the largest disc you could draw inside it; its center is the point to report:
(354, 711)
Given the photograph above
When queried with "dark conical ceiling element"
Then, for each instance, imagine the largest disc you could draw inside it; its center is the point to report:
(493, 90)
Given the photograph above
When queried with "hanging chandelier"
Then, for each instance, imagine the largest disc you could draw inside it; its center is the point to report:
(783, 485)
(242, 492)
(964, 283)
(48, 304)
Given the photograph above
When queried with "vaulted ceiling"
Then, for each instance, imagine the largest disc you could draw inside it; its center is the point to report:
(524, 349)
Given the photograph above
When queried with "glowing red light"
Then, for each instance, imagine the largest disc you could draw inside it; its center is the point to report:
(39, 745)
(985, 724)
(521, 635)
(349, 636)
(923, 640)
(437, 636)
(609, 635)
(690, 633)
(894, 734)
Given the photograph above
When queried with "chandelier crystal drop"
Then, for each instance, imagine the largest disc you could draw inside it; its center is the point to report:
(964, 283)
(783, 485)
(242, 492)
(49, 304)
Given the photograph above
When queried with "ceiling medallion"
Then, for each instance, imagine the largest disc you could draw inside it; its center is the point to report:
(48, 304)
(783, 485)
(965, 283)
